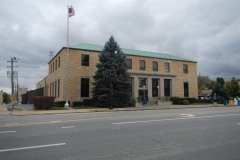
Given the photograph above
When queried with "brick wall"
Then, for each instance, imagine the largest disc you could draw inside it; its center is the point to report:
(77, 71)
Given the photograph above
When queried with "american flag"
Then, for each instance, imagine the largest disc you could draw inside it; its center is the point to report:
(71, 12)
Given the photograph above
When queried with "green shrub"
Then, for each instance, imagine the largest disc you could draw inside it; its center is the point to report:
(133, 102)
(88, 102)
(85, 102)
(77, 103)
(180, 101)
(204, 101)
(185, 102)
(60, 103)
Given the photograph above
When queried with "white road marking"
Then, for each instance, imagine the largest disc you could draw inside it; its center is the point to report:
(8, 131)
(11, 123)
(68, 127)
(238, 123)
(173, 119)
(55, 121)
(32, 147)
(187, 115)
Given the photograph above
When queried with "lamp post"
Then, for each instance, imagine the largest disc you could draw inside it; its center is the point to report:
(144, 93)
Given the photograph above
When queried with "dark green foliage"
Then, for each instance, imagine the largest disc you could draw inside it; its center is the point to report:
(60, 103)
(204, 82)
(204, 101)
(112, 68)
(185, 102)
(6, 98)
(221, 92)
(181, 101)
(43, 102)
(77, 103)
(133, 102)
(85, 102)
(220, 81)
(233, 87)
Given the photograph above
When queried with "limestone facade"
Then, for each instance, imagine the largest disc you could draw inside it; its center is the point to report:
(172, 81)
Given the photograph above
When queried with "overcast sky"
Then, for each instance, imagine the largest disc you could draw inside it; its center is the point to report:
(206, 31)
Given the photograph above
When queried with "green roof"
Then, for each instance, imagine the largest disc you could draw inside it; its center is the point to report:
(132, 52)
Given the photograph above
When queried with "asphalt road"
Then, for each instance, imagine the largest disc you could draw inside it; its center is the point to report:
(176, 134)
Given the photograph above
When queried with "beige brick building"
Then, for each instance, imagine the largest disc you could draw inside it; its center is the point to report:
(21, 91)
(152, 74)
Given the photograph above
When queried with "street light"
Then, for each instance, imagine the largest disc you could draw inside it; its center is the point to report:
(144, 93)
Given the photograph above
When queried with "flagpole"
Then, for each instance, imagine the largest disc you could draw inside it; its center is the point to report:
(66, 104)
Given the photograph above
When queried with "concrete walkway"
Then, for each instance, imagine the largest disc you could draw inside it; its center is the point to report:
(27, 109)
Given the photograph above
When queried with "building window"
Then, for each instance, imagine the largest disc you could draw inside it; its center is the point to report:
(155, 87)
(186, 89)
(167, 67)
(129, 63)
(142, 65)
(55, 93)
(50, 68)
(185, 68)
(58, 87)
(85, 60)
(142, 82)
(53, 66)
(132, 85)
(167, 87)
(50, 89)
(84, 87)
(58, 62)
(155, 66)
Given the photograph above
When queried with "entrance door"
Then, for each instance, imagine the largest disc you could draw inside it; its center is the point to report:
(143, 93)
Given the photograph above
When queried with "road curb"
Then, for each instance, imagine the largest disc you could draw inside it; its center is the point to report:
(72, 111)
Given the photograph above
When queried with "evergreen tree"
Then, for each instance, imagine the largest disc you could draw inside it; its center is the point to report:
(219, 90)
(112, 70)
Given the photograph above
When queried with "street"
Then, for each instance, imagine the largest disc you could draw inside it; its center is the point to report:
(173, 134)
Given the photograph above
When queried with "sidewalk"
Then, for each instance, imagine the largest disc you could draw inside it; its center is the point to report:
(27, 109)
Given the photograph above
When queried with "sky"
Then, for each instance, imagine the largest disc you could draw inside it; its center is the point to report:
(206, 31)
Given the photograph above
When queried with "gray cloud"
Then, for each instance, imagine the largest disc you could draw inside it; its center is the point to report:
(204, 31)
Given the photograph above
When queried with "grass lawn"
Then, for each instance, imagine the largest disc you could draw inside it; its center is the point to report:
(201, 103)
(85, 107)
(59, 108)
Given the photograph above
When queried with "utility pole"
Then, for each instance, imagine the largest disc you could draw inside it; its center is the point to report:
(13, 59)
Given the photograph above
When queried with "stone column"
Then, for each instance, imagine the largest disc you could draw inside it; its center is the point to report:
(161, 85)
(149, 88)
(173, 87)
(136, 86)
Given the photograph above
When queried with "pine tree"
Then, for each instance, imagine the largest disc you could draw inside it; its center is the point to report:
(112, 70)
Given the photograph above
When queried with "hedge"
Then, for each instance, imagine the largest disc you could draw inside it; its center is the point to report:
(43, 102)
(60, 103)
(85, 102)
(182, 101)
